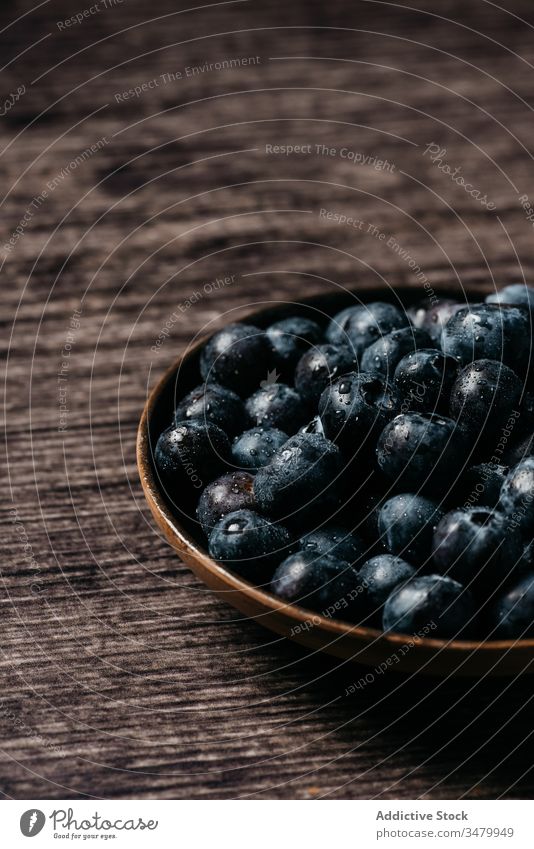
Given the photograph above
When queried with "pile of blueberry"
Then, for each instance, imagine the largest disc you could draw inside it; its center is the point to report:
(378, 467)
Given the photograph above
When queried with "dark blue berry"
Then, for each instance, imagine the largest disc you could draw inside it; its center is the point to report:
(483, 396)
(256, 447)
(385, 354)
(249, 544)
(277, 405)
(481, 485)
(424, 379)
(417, 313)
(231, 492)
(213, 403)
(421, 449)
(289, 339)
(237, 357)
(319, 582)
(522, 449)
(301, 471)
(437, 316)
(320, 367)
(433, 604)
(360, 326)
(313, 426)
(379, 577)
(487, 331)
(513, 613)
(406, 524)
(526, 564)
(336, 541)
(369, 503)
(356, 407)
(517, 496)
(520, 443)
(516, 294)
(193, 450)
(476, 545)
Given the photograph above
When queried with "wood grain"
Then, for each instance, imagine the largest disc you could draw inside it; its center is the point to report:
(122, 676)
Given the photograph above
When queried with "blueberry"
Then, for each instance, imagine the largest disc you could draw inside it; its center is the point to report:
(319, 582)
(516, 294)
(406, 524)
(249, 544)
(424, 379)
(379, 577)
(194, 450)
(231, 492)
(237, 357)
(319, 367)
(526, 564)
(384, 355)
(357, 406)
(417, 313)
(336, 541)
(421, 449)
(360, 326)
(483, 396)
(277, 405)
(487, 331)
(370, 504)
(476, 545)
(521, 443)
(481, 485)
(313, 426)
(213, 403)
(437, 316)
(517, 496)
(522, 449)
(289, 339)
(255, 448)
(301, 471)
(430, 602)
(513, 613)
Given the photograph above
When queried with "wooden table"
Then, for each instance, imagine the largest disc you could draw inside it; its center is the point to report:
(122, 676)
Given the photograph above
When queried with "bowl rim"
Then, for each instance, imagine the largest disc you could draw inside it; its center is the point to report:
(181, 540)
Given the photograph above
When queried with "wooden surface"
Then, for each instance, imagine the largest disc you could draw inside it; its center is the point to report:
(122, 676)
